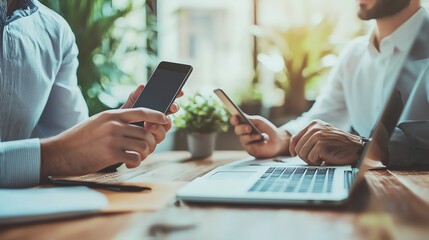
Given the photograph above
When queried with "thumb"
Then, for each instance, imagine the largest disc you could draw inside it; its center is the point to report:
(141, 115)
(133, 97)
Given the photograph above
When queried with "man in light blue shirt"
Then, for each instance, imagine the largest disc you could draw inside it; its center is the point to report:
(40, 100)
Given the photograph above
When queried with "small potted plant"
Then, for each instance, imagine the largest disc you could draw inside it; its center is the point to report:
(202, 117)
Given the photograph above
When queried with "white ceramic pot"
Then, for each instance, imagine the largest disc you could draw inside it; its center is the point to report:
(201, 145)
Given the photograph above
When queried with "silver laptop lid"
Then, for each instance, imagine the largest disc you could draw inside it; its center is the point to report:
(407, 76)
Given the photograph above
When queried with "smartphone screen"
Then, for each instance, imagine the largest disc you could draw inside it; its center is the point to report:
(163, 86)
(160, 91)
(236, 111)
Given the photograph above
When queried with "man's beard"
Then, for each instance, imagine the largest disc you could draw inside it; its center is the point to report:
(383, 8)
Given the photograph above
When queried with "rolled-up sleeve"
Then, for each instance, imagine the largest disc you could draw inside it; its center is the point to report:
(19, 163)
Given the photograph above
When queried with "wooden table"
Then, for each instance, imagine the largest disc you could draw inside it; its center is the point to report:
(391, 205)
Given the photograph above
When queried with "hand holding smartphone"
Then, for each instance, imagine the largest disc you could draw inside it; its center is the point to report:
(234, 110)
(163, 87)
(161, 90)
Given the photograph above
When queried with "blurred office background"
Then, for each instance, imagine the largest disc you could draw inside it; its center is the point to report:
(271, 56)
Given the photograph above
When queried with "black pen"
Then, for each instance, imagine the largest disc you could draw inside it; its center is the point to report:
(105, 186)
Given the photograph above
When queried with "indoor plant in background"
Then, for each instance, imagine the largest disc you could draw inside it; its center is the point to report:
(201, 117)
(99, 29)
(302, 49)
(91, 22)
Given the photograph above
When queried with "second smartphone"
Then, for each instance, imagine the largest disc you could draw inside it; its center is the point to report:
(234, 110)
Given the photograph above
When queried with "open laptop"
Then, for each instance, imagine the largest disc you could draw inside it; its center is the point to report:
(290, 180)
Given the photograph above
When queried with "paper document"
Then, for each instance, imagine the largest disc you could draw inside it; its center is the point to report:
(23, 205)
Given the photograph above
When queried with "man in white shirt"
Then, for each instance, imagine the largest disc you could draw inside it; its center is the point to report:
(357, 91)
(44, 125)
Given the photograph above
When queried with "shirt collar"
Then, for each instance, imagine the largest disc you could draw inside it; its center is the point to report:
(24, 8)
(401, 39)
(3, 10)
(26, 4)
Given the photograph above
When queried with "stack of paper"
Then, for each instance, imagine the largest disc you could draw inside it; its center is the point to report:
(24, 205)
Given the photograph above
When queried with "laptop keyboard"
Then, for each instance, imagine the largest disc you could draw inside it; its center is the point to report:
(295, 179)
(350, 177)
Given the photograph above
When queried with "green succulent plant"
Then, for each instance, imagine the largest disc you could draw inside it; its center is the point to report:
(202, 114)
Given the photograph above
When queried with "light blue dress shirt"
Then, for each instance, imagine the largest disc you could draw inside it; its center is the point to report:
(39, 95)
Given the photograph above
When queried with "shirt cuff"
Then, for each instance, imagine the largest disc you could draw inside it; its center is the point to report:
(20, 163)
(294, 127)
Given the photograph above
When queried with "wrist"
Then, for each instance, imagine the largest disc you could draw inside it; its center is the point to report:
(284, 142)
(48, 155)
(363, 142)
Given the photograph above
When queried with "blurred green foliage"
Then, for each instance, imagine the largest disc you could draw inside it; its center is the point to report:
(202, 114)
(92, 21)
(302, 49)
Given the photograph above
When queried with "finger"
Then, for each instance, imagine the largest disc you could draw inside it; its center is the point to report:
(250, 139)
(242, 129)
(140, 115)
(266, 137)
(135, 132)
(181, 93)
(131, 159)
(143, 147)
(294, 140)
(133, 97)
(302, 141)
(168, 125)
(306, 148)
(157, 131)
(234, 120)
(314, 155)
(174, 108)
(311, 133)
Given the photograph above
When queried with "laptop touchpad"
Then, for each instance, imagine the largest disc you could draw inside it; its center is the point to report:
(231, 175)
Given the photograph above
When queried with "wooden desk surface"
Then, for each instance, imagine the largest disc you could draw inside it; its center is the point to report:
(392, 205)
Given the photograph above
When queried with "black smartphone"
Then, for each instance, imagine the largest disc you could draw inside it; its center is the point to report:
(163, 87)
(160, 91)
(234, 110)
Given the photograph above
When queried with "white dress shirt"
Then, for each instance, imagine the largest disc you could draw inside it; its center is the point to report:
(360, 84)
(39, 95)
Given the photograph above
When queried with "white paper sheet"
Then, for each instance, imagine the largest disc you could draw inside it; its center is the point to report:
(22, 205)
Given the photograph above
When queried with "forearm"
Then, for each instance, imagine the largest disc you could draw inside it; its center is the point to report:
(19, 163)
